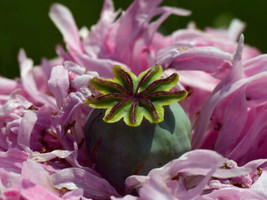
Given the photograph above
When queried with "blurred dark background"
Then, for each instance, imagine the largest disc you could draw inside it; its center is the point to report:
(25, 24)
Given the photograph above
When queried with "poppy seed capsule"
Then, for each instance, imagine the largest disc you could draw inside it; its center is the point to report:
(121, 148)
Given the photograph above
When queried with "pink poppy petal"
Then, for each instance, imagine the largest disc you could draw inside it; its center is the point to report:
(7, 85)
(155, 189)
(25, 130)
(29, 83)
(255, 65)
(260, 184)
(234, 193)
(74, 178)
(43, 157)
(59, 84)
(12, 160)
(63, 19)
(36, 174)
(30, 190)
(126, 197)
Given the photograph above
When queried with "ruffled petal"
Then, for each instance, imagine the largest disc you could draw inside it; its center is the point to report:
(63, 19)
(59, 84)
(74, 178)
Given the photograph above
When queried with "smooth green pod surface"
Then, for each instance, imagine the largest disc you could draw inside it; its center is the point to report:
(119, 150)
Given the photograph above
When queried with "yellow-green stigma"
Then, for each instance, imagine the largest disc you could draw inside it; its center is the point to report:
(132, 98)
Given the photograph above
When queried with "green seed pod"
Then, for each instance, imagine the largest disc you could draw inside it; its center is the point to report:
(121, 148)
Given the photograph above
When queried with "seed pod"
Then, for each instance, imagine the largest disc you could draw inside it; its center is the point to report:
(121, 148)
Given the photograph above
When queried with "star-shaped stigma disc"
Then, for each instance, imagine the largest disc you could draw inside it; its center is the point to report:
(132, 98)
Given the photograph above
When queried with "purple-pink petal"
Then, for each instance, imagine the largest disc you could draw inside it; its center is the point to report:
(63, 19)
(74, 178)
(30, 190)
(26, 127)
(59, 84)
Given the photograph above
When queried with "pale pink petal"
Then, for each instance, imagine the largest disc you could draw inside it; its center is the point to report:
(102, 66)
(135, 32)
(235, 29)
(198, 162)
(74, 195)
(25, 130)
(254, 141)
(14, 101)
(63, 19)
(96, 43)
(131, 24)
(236, 97)
(34, 191)
(167, 53)
(7, 85)
(234, 193)
(9, 183)
(40, 79)
(12, 160)
(74, 178)
(223, 39)
(73, 67)
(107, 13)
(126, 197)
(197, 190)
(207, 59)
(62, 53)
(165, 12)
(36, 174)
(43, 157)
(28, 81)
(231, 33)
(209, 106)
(237, 71)
(70, 117)
(177, 11)
(230, 173)
(155, 189)
(47, 65)
(227, 92)
(59, 84)
(260, 184)
(82, 81)
(235, 109)
(226, 88)
(135, 182)
(255, 65)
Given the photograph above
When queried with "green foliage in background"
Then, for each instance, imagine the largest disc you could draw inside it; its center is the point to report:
(25, 24)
